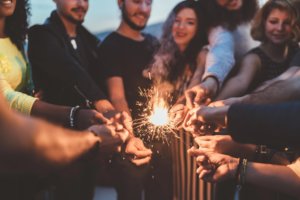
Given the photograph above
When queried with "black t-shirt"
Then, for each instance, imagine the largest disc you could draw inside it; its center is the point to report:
(126, 58)
(296, 60)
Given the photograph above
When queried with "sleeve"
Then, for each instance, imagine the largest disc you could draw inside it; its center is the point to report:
(220, 58)
(276, 124)
(296, 60)
(110, 58)
(17, 100)
(47, 53)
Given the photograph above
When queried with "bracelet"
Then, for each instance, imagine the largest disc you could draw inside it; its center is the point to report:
(241, 171)
(263, 153)
(72, 115)
(240, 177)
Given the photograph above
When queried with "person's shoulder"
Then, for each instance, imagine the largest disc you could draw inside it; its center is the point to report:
(150, 37)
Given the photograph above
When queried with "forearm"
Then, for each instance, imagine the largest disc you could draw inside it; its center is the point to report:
(282, 91)
(265, 124)
(121, 105)
(53, 113)
(233, 88)
(212, 86)
(29, 145)
(274, 177)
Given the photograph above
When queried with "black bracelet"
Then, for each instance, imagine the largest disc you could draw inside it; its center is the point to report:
(73, 112)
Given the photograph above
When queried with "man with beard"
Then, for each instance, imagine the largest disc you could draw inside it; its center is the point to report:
(124, 54)
(64, 61)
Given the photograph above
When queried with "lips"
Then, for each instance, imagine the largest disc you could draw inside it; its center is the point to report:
(6, 2)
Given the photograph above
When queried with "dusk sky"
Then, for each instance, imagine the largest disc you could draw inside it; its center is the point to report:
(103, 14)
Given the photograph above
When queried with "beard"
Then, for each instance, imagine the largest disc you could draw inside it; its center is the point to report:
(74, 21)
(130, 23)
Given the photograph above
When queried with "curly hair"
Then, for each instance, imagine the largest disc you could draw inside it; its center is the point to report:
(169, 62)
(292, 7)
(219, 16)
(16, 25)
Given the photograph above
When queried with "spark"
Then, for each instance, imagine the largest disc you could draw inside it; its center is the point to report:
(154, 122)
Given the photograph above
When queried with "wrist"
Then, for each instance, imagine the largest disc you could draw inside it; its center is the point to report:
(212, 86)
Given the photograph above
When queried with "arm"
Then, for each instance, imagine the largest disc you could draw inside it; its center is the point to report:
(47, 53)
(116, 94)
(238, 85)
(220, 58)
(266, 124)
(31, 145)
(219, 62)
(16, 100)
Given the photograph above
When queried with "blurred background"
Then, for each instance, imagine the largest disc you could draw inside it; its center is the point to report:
(104, 15)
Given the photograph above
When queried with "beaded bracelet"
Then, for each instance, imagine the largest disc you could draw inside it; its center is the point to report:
(73, 112)
(240, 177)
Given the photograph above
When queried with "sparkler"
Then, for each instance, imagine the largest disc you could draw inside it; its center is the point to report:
(154, 122)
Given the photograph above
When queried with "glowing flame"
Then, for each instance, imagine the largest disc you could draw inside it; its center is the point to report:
(154, 122)
(159, 117)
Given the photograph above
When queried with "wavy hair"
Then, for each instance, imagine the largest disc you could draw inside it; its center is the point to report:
(169, 62)
(220, 16)
(16, 25)
(292, 7)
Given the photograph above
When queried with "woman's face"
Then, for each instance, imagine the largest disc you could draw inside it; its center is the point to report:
(278, 28)
(184, 28)
(230, 4)
(7, 8)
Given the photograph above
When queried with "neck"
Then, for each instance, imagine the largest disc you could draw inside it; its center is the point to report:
(276, 52)
(69, 26)
(126, 31)
(2, 27)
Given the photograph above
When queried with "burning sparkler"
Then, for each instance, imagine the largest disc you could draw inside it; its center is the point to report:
(155, 122)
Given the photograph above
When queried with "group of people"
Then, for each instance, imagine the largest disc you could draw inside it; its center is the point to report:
(205, 54)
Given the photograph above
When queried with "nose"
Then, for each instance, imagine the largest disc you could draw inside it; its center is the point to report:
(280, 26)
(181, 25)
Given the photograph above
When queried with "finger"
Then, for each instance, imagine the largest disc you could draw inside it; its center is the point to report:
(141, 154)
(199, 97)
(205, 173)
(195, 152)
(203, 138)
(200, 159)
(189, 95)
(143, 161)
(99, 118)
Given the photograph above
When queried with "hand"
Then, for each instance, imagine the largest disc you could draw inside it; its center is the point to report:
(111, 137)
(214, 167)
(122, 118)
(177, 114)
(218, 143)
(196, 96)
(136, 147)
(208, 115)
(87, 117)
(103, 106)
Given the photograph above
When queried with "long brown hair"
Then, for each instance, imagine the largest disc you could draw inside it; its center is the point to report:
(16, 25)
(169, 61)
(292, 7)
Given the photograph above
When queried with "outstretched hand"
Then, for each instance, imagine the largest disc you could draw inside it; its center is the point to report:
(139, 154)
(214, 167)
(110, 137)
